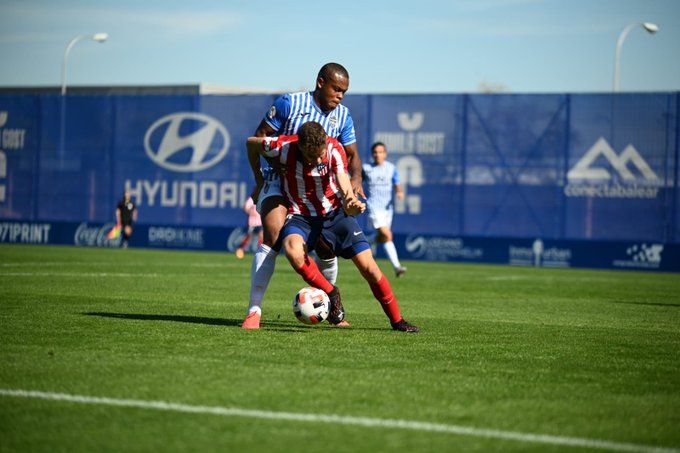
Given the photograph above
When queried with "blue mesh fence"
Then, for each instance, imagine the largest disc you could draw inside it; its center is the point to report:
(555, 166)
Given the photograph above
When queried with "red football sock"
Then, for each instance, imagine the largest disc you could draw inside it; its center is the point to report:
(383, 292)
(310, 273)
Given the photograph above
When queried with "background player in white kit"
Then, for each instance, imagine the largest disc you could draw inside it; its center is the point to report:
(382, 180)
(289, 112)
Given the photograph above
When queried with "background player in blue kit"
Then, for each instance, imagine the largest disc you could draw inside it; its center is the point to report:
(287, 114)
(382, 180)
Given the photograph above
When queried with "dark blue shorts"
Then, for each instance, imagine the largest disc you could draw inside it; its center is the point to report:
(339, 230)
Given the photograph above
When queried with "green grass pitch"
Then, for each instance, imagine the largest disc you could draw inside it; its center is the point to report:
(591, 355)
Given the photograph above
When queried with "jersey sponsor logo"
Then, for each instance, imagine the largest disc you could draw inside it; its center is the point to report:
(186, 142)
(267, 144)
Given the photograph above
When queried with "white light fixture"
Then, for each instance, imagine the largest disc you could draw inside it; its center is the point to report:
(99, 37)
(648, 26)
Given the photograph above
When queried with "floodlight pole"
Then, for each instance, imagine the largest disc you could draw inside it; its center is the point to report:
(648, 26)
(99, 37)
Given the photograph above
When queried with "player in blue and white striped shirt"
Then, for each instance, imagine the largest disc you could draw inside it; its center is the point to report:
(289, 112)
(382, 179)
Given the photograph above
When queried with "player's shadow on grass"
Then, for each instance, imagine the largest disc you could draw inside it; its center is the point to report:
(272, 325)
(653, 304)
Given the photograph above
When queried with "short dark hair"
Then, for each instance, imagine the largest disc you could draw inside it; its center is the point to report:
(330, 69)
(311, 135)
(376, 144)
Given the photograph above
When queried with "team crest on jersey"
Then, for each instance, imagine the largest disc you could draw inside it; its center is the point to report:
(267, 144)
(272, 113)
(333, 120)
(322, 169)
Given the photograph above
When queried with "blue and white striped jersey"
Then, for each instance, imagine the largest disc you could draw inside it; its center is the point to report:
(292, 110)
(379, 180)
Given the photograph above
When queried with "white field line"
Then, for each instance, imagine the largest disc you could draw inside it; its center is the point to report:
(547, 278)
(78, 274)
(105, 264)
(367, 422)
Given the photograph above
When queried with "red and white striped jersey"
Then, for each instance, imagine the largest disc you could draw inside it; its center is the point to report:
(311, 189)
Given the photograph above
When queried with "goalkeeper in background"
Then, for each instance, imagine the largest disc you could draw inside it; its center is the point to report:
(126, 215)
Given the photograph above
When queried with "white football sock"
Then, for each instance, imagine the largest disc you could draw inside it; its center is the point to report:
(391, 251)
(329, 269)
(260, 273)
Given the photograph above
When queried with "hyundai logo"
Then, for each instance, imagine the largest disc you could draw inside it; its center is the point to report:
(186, 141)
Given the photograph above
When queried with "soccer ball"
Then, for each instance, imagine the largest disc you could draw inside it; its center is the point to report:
(311, 305)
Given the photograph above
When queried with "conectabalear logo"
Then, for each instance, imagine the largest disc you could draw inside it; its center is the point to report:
(632, 177)
(186, 141)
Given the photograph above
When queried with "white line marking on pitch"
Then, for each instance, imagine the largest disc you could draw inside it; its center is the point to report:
(76, 274)
(343, 420)
(111, 263)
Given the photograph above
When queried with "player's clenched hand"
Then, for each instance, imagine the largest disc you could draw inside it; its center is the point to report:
(354, 207)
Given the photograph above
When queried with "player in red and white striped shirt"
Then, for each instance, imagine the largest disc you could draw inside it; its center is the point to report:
(321, 207)
(310, 187)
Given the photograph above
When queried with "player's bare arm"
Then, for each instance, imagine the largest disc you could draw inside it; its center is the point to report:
(354, 162)
(351, 203)
(263, 130)
(399, 191)
(254, 147)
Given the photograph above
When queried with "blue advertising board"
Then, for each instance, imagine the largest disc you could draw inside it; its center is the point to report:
(628, 255)
(591, 168)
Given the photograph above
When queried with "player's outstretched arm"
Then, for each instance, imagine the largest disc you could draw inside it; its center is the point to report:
(263, 130)
(254, 147)
(351, 203)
